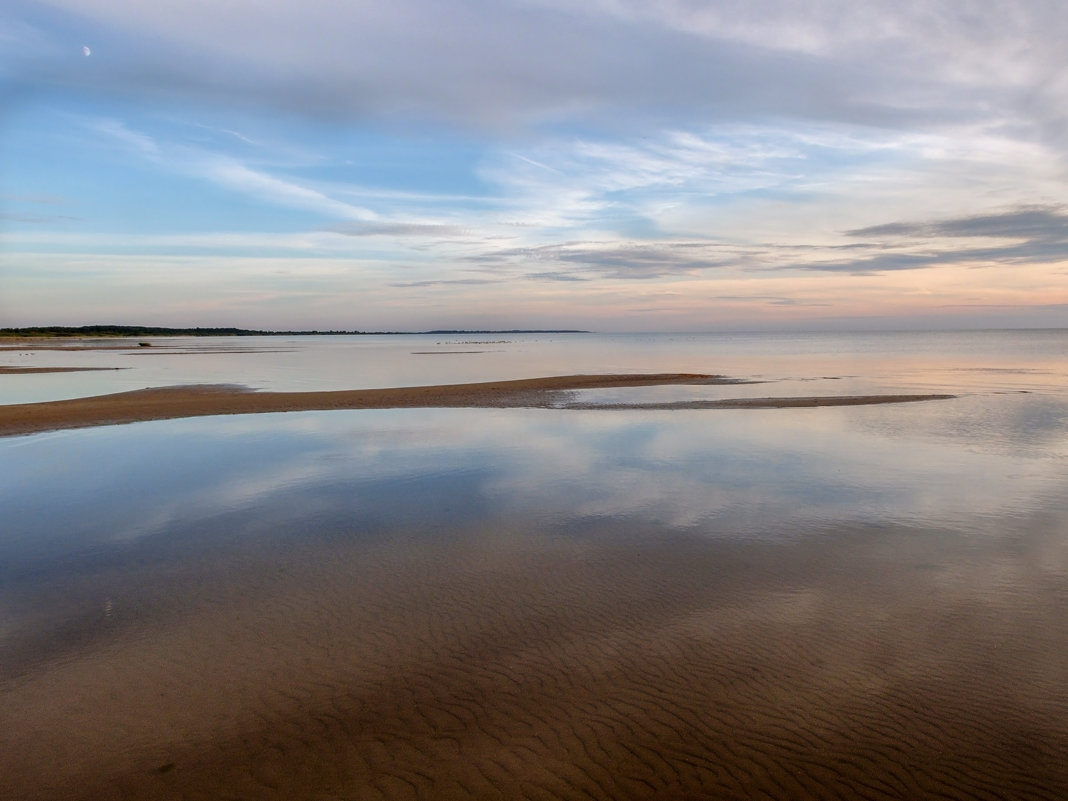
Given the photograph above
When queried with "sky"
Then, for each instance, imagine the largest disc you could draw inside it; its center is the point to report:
(612, 165)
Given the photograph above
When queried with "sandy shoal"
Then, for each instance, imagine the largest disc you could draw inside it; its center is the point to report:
(31, 370)
(165, 403)
(53, 344)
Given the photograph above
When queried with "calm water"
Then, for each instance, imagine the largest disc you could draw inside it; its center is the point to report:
(859, 601)
(808, 363)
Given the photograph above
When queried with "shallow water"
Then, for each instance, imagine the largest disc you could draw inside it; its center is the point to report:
(786, 364)
(861, 602)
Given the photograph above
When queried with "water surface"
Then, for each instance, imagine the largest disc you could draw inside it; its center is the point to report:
(808, 363)
(857, 602)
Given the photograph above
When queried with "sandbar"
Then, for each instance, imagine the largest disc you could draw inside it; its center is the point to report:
(29, 370)
(164, 403)
(63, 345)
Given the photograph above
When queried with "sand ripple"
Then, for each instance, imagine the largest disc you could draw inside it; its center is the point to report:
(611, 667)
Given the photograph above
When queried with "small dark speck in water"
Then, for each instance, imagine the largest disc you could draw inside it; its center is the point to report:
(167, 768)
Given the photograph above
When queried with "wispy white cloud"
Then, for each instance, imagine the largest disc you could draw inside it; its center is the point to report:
(138, 143)
(228, 172)
(34, 219)
(399, 229)
(234, 175)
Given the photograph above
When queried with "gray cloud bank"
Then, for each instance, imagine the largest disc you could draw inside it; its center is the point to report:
(610, 260)
(1023, 235)
(518, 62)
(1036, 234)
(402, 229)
(1042, 224)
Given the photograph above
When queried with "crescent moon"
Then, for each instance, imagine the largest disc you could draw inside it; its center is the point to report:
(86, 50)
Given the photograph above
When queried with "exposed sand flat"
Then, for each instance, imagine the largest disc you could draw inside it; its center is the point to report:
(767, 403)
(28, 370)
(77, 345)
(127, 347)
(605, 667)
(193, 401)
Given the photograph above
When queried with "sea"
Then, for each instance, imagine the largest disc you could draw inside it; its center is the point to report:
(549, 603)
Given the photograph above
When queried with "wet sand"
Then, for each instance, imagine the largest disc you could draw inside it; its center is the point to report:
(55, 344)
(31, 370)
(609, 666)
(192, 401)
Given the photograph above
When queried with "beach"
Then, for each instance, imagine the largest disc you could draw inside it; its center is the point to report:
(793, 581)
(533, 401)
(611, 668)
(166, 403)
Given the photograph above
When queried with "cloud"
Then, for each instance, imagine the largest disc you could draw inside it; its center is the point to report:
(556, 275)
(629, 187)
(231, 174)
(139, 143)
(1034, 234)
(1038, 234)
(38, 219)
(398, 229)
(1033, 223)
(446, 282)
(31, 213)
(226, 171)
(615, 64)
(625, 260)
(889, 262)
(577, 155)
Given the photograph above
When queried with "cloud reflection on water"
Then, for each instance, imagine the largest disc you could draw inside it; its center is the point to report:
(766, 472)
(243, 575)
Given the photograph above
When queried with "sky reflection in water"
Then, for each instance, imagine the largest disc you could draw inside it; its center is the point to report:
(721, 473)
(166, 587)
(795, 364)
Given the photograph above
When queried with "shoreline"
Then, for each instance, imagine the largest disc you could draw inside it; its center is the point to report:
(34, 370)
(167, 403)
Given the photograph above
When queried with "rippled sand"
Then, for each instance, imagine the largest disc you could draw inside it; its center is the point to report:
(615, 665)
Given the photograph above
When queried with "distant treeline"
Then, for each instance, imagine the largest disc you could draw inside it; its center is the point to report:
(145, 330)
(151, 330)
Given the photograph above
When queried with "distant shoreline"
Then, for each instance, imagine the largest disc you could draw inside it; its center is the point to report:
(60, 331)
